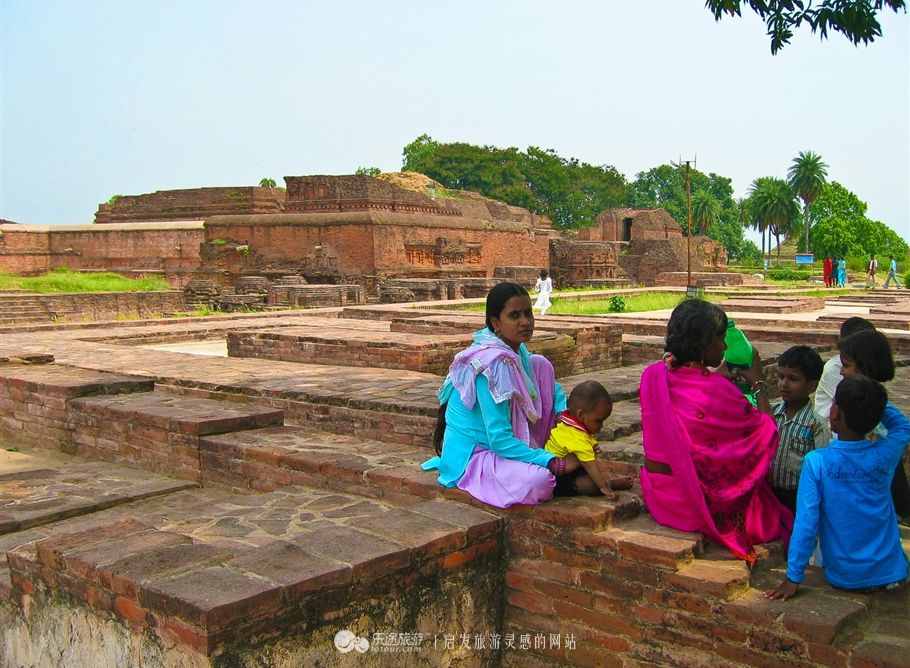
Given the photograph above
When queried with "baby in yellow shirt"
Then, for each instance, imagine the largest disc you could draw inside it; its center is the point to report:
(589, 406)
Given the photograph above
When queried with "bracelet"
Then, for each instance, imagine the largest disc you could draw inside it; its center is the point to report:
(560, 466)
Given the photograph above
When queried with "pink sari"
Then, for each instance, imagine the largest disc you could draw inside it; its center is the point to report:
(719, 449)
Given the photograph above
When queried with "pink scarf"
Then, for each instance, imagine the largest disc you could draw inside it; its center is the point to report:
(508, 380)
(719, 449)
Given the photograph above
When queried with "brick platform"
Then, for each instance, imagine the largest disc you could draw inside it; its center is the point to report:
(772, 305)
(326, 522)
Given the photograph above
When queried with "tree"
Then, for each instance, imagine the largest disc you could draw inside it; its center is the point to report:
(266, 183)
(857, 20)
(842, 228)
(572, 193)
(773, 203)
(665, 186)
(705, 210)
(807, 176)
(368, 171)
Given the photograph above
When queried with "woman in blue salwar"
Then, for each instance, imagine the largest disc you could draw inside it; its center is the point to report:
(497, 406)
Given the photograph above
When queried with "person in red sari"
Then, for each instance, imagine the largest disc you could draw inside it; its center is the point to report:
(707, 449)
(829, 272)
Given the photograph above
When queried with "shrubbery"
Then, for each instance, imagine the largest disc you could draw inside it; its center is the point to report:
(787, 274)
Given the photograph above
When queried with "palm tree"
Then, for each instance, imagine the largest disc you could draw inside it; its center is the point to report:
(774, 204)
(807, 176)
(267, 183)
(705, 210)
(748, 219)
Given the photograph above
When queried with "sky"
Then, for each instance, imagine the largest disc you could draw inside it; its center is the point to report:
(100, 98)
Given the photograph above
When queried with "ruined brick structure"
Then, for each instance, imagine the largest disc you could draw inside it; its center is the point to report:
(637, 244)
(329, 229)
(579, 263)
(190, 204)
(354, 230)
(632, 225)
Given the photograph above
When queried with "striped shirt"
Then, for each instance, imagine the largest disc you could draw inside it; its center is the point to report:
(798, 435)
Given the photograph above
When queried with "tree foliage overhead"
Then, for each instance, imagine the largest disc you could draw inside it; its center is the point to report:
(842, 229)
(714, 211)
(570, 192)
(857, 20)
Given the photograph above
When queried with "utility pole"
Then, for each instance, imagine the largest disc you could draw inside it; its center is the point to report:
(689, 164)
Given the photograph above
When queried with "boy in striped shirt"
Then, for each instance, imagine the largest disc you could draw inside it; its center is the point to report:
(801, 431)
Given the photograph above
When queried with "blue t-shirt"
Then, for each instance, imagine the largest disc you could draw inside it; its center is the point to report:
(845, 499)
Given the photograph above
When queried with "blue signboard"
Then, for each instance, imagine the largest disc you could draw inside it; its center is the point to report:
(805, 258)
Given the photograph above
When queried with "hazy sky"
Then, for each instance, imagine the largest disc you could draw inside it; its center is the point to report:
(99, 98)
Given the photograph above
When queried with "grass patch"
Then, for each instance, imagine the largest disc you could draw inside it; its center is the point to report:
(634, 303)
(64, 280)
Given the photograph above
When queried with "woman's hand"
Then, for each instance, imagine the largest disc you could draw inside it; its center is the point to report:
(563, 465)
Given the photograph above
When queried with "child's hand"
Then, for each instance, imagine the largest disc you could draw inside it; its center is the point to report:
(784, 590)
(608, 493)
(596, 448)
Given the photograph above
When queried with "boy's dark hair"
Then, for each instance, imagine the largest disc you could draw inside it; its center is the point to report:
(497, 298)
(544, 273)
(871, 352)
(804, 358)
(862, 401)
(693, 325)
(854, 325)
(587, 395)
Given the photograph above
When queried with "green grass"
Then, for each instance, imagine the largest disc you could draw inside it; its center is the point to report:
(64, 280)
(635, 303)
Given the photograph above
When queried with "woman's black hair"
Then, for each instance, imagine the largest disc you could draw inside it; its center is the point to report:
(871, 352)
(496, 302)
(497, 298)
(693, 325)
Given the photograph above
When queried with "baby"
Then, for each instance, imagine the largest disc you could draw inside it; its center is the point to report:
(589, 406)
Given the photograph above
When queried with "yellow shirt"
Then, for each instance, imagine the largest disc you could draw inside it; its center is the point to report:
(565, 439)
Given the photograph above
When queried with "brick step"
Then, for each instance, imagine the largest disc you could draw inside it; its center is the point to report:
(10, 310)
(624, 421)
(34, 399)
(159, 431)
(25, 319)
(201, 568)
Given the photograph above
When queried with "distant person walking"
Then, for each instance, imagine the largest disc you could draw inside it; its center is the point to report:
(828, 272)
(892, 274)
(842, 272)
(544, 287)
(871, 270)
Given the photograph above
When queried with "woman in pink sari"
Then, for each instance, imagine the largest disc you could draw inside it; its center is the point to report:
(707, 449)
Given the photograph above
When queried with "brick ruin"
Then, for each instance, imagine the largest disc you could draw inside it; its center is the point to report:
(399, 236)
(244, 510)
(190, 204)
(637, 244)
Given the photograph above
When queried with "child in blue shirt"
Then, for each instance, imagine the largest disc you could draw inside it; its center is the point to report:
(844, 496)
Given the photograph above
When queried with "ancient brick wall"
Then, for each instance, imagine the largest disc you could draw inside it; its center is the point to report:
(73, 307)
(172, 248)
(359, 193)
(644, 259)
(191, 204)
(632, 225)
(23, 249)
(575, 262)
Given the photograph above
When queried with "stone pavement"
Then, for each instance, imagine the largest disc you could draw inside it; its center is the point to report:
(306, 512)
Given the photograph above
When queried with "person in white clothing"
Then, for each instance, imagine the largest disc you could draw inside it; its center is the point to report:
(544, 287)
(831, 374)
